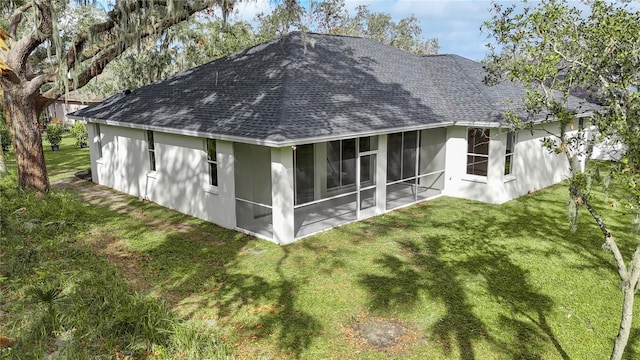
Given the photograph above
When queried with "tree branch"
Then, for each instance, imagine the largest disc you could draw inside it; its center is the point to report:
(20, 51)
(76, 54)
(114, 49)
(16, 18)
(609, 241)
(634, 267)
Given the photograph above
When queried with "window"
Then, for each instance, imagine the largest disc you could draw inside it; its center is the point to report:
(402, 155)
(508, 157)
(477, 151)
(98, 139)
(212, 162)
(152, 151)
(341, 163)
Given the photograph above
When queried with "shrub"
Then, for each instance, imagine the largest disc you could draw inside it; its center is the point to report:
(5, 135)
(79, 131)
(53, 134)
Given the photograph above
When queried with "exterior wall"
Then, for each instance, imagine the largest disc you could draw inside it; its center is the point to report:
(94, 141)
(282, 194)
(124, 162)
(264, 177)
(534, 167)
(180, 181)
(60, 109)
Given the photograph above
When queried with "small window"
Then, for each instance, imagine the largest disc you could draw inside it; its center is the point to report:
(478, 151)
(98, 137)
(152, 151)
(508, 157)
(212, 162)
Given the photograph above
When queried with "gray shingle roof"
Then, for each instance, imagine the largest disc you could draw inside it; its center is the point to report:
(308, 87)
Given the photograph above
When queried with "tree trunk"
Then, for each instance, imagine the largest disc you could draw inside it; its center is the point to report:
(27, 140)
(621, 340)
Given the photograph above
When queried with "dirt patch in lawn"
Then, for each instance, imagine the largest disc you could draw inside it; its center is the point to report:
(106, 244)
(382, 334)
(115, 251)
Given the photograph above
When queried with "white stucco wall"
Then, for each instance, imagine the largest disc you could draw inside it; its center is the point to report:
(265, 176)
(181, 179)
(534, 167)
(282, 193)
(124, 162)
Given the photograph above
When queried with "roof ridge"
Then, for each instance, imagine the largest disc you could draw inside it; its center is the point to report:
(285, 80)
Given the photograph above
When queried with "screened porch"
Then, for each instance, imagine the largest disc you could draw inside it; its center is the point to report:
(346, 180)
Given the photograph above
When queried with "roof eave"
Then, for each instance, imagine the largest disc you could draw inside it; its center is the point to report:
(263, 142)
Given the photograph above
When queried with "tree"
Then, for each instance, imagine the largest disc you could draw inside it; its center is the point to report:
(43, 61)
(184, 46)
(555, 50)
(331, 17)
(280, 21)
(328, 16)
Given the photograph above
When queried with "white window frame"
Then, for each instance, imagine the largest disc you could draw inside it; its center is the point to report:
(509, 154)
(212, 162)
(487, 133)
(151, 147)
(98, 135)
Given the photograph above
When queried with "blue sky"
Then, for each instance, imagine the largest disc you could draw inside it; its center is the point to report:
(456, 23)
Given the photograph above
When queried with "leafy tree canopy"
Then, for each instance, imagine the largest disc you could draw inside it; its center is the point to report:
(331, 16)
(49, 47)
(555, 50)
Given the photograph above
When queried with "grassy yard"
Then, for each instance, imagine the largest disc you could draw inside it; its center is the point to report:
(454, 279)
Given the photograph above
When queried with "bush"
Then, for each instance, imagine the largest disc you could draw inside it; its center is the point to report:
(79, 131)
(5, 135)
(4, 132)
(53, 134)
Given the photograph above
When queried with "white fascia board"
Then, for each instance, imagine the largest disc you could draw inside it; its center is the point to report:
(326, 138)
(253, 141)
(194, 133)
(491, 124)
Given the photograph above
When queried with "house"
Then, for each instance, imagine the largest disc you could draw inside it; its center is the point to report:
(67, 104)
(309, 131)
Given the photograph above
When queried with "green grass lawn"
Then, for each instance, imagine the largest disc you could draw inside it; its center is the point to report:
(464, 280)
(64, 163)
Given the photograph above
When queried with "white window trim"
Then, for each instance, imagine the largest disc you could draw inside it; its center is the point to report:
(151, 148)
(152, 174)
(98, 135)
(474, 177)
(511, 175)
(209, 187)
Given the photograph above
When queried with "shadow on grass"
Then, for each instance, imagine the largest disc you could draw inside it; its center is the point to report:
(630, 352)
(196, 266)
(295, 328)
(458, 253)
(423, 270)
